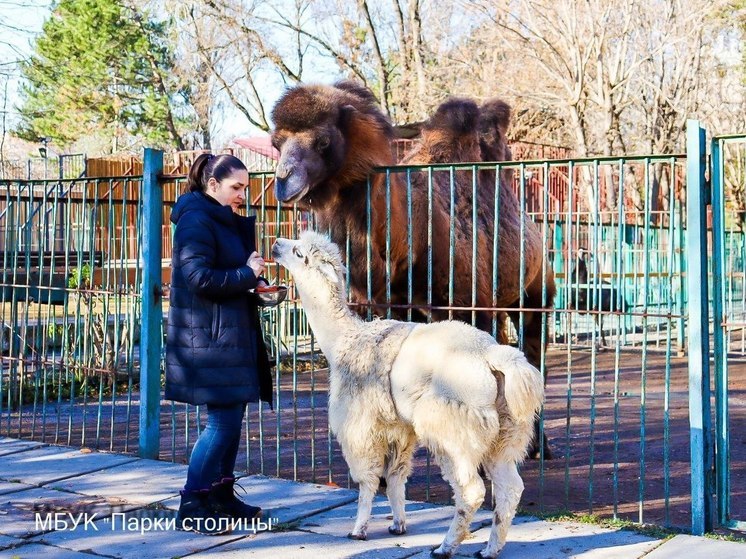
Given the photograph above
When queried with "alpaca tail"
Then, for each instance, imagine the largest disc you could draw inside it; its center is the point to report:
(524, 385)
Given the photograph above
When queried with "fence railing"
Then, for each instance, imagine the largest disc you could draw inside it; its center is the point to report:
(70, 310)
(66, 166)
(618, 392)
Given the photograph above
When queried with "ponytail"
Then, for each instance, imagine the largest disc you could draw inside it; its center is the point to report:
(194, 179)
(208, 166)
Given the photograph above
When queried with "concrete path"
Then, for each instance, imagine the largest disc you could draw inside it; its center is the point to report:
(123, 504)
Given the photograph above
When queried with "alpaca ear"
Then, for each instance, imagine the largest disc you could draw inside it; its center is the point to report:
(327, 268)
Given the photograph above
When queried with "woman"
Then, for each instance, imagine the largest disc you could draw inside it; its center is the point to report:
(215, 353)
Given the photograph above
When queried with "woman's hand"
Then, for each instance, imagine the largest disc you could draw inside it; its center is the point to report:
(256, 263)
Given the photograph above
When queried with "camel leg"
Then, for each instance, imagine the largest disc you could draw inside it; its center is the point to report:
(397, 472)
(468, 492)
(507, 486)
(532, 337)
(533, 343)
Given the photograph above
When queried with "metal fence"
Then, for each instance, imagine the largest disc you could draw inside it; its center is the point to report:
(66, 166)
(70, 310)
(729, 313)
(618, 392)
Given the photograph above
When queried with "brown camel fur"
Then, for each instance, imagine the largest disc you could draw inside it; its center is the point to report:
(330, 139)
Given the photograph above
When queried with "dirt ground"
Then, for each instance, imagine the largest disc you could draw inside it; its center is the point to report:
(644, 476)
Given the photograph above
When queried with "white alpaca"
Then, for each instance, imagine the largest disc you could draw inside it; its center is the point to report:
(394, 384)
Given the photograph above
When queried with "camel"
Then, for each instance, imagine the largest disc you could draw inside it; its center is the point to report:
(331, 138)
(394, 385)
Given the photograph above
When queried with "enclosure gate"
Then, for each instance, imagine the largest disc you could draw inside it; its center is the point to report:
(729, 320)
(70, 309)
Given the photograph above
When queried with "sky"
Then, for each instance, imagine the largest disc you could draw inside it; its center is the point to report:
(20, 21)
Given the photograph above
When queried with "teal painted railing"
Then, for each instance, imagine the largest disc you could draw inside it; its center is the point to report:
(617, 415)
(729, 316)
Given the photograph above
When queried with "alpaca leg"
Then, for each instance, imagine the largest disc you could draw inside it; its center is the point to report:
(368, 485)
(507, 487)
(365, 458)
(399, 468)
(395, 493)
(468, 492)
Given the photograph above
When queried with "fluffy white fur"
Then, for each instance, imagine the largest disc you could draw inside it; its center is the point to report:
(446, 385)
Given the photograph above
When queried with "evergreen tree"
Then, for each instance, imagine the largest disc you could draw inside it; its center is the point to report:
(101, 67)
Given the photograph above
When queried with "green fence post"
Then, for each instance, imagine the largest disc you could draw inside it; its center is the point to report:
(700, 434)
(151, 338)
(722, 456)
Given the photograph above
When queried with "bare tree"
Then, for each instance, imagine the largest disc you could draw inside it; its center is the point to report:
(240, 49)
(194, 79)
(603, 76)
(556, 39)
(383, 45)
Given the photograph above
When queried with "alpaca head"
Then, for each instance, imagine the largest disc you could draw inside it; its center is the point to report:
(314, 261)
(326, 136)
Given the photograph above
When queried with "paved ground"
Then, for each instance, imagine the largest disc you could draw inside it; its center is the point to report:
(609, 456)
(120, 496)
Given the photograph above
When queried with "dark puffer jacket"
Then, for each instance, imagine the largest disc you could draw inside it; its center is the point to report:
(215, 353)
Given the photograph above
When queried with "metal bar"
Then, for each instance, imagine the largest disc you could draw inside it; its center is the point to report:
(278, 399)
(495, 250)
(467, 165)
(644, 360)
(452, 238)
(368, 251)
(722, 446)
(699, 339)
(388, 243)
(152, 309)
(544, 321)
(522, 255)
(594, 294)
(618, 344)
(429, 245)
(410, 245)
(474, 233)
(568, 334)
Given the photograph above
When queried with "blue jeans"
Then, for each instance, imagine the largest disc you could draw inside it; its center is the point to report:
(214, 454)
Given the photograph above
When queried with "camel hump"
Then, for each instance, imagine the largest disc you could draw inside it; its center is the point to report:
(303, 107)
(308, 106)
(457, 115)
(494, 118)
(495, 113)
(357, 89)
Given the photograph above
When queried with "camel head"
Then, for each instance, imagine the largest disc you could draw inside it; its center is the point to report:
(314, 262)
(329, 138)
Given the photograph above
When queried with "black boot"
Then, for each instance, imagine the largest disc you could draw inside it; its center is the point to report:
(223, 500)
(195, 514)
